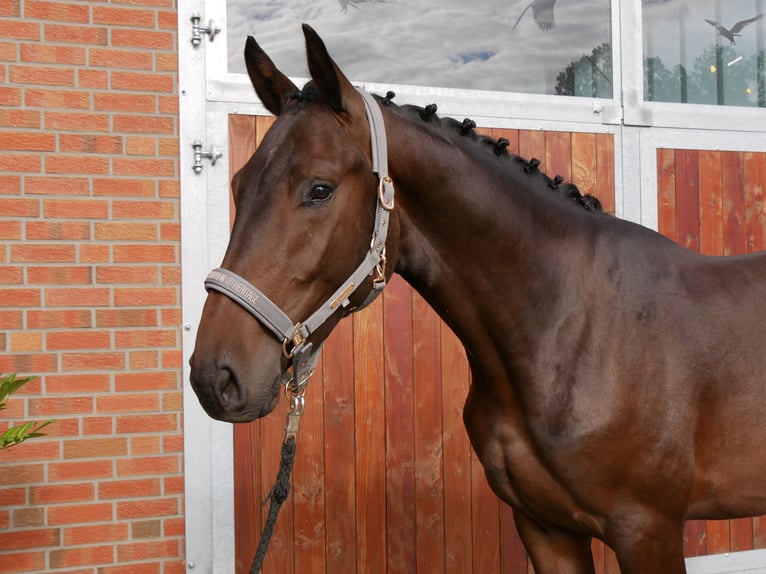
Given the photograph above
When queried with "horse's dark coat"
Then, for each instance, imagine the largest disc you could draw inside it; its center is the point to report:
(616, 420)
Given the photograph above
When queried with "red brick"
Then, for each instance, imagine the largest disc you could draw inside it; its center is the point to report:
(25, 539)
(17, 496)
(142, 568)
(52, 54)
(27, 141)
(43, 185)
(28, 363)
(73, 34)
(121, 231)
(173, 527)
(52, 98)
(10, 96)
(87, 78)
(143, 39)
(172, 402)
(143, 360)
(169, 146)
(114, 102)
(154, 381)
(10, 230)
(144, 166)
(80, 470)
(115, 58)
(43, 253)
(95, 253)
(19, 297)
(19, 118)
(29, 517)
(90, 143)
(132, 488)
(55, 275)
(32, 450)
(147, 423)
(79, 535)
(41, 75)
(21, 30)
(61, 11)
(144, 124)
(97, 425)
(166, 63)
(146, 529)
(124, 187)
(22, 562)
(92, 361)
(146, 338)
(141, 297)
(170, 232)
(76, 164)
(123, 17)
(67, 319)
(146, 508)
(143, 82)
(57, 406)
(88, 448)
(76, 121)
(172, 359)
(125, 403)
(58, 231)
(145, 253)
(127, 274)
(58, 493)
(84, 383)
(75, 209)
(147, 550)
(19, 207)
(10, 8)
(145, 445)
(139, 145)
(81, 339)
(126, 317)
(20, 162)
(134, 466)
(28, 473)
(76, 296)
(10, 184)
(81, 556)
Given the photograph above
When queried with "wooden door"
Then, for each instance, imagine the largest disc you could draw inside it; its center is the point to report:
(713, 202)
(385, 480)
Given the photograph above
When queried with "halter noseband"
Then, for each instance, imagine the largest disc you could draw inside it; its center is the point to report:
(294, 336)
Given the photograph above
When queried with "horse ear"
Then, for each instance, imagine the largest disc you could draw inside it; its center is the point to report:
(334, 87)
(271, 85)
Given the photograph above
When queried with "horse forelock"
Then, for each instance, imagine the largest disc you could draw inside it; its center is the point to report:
(463, 133)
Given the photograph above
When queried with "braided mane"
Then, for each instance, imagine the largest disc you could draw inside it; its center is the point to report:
(498, 147)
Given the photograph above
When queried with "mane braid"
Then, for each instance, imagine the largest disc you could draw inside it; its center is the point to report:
(464, 131)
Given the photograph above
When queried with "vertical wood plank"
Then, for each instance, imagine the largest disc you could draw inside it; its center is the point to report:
(755, 204)
(513, 555)
(734, 218)
(532, 145)
(457, 456)
(718, 537)
(308, 492)
(429, 475)
(687, 199)
(558, 154)
(605, 165)
(369, 397)
(585, 163)
(741, 533)
(400, 450)
(666, 189)
(695, 538)
(485, 523)
(597, 550)
(339, 448)
(711, 203)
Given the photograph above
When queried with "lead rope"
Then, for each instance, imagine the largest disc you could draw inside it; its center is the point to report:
(281, 489)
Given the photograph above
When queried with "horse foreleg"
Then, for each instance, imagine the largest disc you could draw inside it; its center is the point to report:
(554, 551)
(648, 544)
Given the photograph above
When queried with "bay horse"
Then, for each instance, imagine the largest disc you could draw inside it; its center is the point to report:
(618, 379)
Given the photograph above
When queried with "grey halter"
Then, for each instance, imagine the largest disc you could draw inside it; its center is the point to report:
(302, 354)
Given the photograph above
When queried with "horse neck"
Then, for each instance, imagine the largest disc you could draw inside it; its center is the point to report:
(481, 248)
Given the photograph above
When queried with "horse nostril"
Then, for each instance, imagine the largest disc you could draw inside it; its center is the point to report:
(228, 389)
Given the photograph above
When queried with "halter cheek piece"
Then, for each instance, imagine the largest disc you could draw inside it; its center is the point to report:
(302, 354)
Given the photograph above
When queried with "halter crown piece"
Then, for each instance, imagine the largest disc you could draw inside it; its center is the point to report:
(302, 354)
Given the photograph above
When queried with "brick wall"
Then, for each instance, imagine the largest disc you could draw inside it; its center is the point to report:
(90, 286)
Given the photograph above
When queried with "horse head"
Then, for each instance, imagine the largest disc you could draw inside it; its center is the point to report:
(305, 210)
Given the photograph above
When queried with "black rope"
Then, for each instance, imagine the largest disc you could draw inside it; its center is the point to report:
(277, 495)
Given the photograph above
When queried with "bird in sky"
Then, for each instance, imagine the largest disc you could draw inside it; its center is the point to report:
(542, 12)
(730, 33)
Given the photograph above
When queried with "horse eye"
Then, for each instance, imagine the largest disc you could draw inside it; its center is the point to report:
(321, 192)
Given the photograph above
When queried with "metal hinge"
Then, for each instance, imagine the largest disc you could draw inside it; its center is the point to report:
(213, 154)
(197, 30)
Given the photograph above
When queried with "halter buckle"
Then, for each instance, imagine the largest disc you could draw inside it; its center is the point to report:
(296, 341)
(379, 277)
(387, 202)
